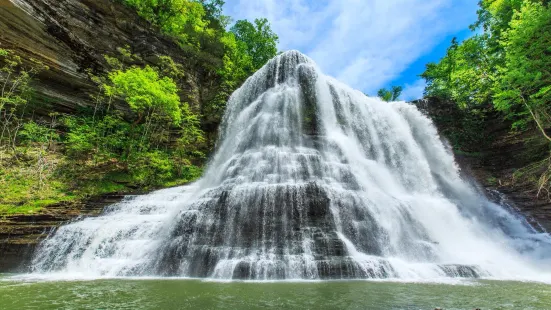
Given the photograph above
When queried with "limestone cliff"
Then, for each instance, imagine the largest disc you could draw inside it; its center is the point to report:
(72, 36)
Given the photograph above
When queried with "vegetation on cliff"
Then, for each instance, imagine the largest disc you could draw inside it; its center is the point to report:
(503, 68)
(139, 134)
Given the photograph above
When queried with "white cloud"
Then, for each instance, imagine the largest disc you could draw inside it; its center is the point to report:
(364, 43)
(413, 91)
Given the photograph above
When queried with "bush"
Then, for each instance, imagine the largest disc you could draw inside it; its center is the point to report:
(154, 167)
(32, 132)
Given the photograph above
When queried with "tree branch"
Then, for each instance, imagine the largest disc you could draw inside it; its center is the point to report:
(535, 118)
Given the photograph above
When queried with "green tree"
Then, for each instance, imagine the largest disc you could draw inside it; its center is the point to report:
(15, 92)
(158, 139)
(146, 93)
(471, 77)
(258, 40)
(33, 132)
(228, 57)
(465, 74)
(505, 68)
(184, 19)
(390, 95)
(494, 16)
(214, 9)
(523, 89)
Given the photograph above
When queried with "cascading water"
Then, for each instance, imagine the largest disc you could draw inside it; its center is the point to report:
(310, 180)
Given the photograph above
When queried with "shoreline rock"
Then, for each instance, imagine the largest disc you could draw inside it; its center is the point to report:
(21, 233)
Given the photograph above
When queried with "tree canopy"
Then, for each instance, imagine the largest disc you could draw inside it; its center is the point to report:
(391, 94)
(146, 92)
(504, 66)
(199, 26)
(258, 39)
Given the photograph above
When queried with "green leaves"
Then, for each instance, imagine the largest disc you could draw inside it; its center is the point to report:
(156, 141)
(146, 92)
(390, 95)
(200, 28)
(186, 20)
(464, 75)
(213, 8)
(150, 167)
(258, 40)
(506, 66)
(32, 132)
(524, 82)
(15, 92)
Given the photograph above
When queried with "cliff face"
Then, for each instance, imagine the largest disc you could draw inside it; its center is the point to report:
(71, 36)
(493, 161)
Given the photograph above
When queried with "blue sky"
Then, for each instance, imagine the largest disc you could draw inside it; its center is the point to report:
(367, 44)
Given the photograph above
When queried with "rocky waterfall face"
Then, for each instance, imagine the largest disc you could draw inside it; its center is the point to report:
(310, 180)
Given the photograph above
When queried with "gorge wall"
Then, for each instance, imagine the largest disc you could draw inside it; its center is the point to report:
(71, 37)
(494, 160)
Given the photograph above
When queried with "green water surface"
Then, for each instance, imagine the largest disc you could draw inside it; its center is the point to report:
(195, 294)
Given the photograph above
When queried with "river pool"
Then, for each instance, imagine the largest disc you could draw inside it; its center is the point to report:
(24, 293)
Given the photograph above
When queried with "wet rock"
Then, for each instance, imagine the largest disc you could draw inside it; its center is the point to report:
(20, 234)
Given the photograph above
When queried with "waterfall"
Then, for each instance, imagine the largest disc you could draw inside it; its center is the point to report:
(310, 180)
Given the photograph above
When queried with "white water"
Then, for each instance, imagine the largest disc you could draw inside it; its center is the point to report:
(310, 180)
